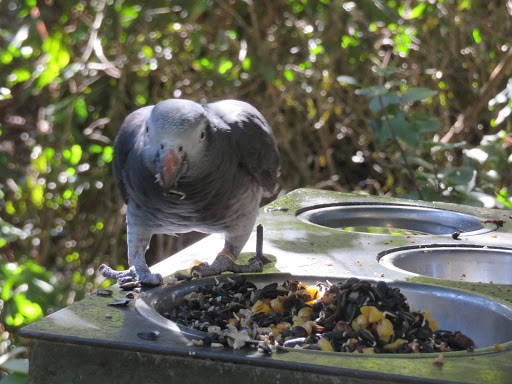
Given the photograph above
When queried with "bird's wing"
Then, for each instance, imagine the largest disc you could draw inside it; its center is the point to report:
(252, 138)
(125, 142)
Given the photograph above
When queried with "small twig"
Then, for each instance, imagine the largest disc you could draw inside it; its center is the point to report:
(467, 117)
(94, 33)
(259, 241)
(235, 15)
(402, 150)
(98, 123)
(109, 68)
(254, 21)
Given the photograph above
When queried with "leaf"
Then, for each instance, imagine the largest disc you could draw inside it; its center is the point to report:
(484, 199)
(457, 176)
(28, 309)
(80, 108)
(431, 144)
(76, 154)
(503, 198)
(424, 122)
(316, 50)
(95, 149)
(147, 51)
(37, 195)
(476, 36)
(129, 14)
(347, 80)
(224, 66)
(246, 64)
(422, 163)
(381, 131)
(16, 366)
(21, 75)
(40, 163)
(6, 58)
(386, 72)
(372, 91)
(428, 193)
(417, 94)
(58, 58)
(405, 131)
(288, 74)
(108, 153)
(381, 102)
(413, 13)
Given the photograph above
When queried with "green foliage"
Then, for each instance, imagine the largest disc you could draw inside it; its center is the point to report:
(353, 91)
(398, 129)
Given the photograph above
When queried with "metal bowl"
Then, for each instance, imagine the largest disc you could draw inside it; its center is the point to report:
(465, 263)
(453, 309)
(395, 219)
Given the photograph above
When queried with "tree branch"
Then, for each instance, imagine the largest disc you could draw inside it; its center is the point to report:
(469, 115)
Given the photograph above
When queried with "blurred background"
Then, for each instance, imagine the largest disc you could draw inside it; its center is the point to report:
(393, 98)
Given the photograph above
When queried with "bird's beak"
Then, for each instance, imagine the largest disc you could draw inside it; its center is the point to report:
(169, 168)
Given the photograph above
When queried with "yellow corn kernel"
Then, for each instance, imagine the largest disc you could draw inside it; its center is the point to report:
(384, 329)
(283, 327)
(305, 311)
(434, 325)
(395, 345)
(298, 321)
(260, 307)
(325, 345)
(277, 306)
(359, 322)
(368, 350)
(372, 313)
(313, 291)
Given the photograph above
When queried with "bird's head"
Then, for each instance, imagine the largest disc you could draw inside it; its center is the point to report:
(176, 135)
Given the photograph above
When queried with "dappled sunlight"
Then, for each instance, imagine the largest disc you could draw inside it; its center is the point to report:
(380, 98)
(66, 318)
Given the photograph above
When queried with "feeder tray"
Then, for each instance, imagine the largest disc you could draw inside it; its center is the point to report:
(464, 263)
(395, 219)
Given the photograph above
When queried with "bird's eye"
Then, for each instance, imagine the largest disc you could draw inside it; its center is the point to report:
(147, 129)
(180, 149)
(203, 135)
(161, 146)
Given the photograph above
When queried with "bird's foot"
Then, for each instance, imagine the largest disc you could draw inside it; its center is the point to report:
(260, 258)
(144, 277)
(225, 262)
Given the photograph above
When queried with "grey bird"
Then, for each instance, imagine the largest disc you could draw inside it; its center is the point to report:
(183, 166)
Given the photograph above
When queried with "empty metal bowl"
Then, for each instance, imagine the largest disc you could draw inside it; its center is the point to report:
(454, 310)
(395, 219)
(465, 263)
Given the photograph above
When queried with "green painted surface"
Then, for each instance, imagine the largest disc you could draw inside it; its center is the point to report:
(302, 249)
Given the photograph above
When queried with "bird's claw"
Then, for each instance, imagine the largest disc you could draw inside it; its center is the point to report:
(260, 258)
(122, 277)
(108, 272)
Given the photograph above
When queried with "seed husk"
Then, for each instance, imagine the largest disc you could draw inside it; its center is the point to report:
(353, 316)
(120, 302)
